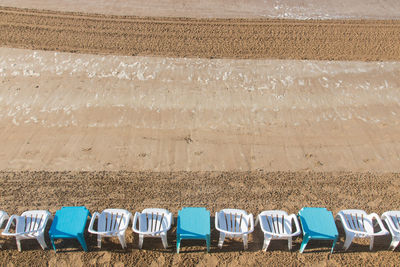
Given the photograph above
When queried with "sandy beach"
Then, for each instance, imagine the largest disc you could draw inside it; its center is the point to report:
(257, 105)
(252, 191)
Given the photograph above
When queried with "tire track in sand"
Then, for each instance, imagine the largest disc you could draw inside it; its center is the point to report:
(367, 40)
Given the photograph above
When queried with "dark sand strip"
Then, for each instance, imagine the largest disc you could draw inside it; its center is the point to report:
(367, 40)
(252, 191)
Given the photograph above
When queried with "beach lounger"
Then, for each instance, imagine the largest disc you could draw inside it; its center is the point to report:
(111, 223)
(152, 223)
(30, 225)
(234, 223)
(277, 224)
(392, 219)
(357, 223)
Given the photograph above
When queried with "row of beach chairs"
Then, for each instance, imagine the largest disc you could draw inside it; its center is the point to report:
(194, 223)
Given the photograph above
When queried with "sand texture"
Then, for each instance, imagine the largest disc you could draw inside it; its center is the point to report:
(224, 104)
(63, 111)
(288, 9)
(252, 191)
(206, 38)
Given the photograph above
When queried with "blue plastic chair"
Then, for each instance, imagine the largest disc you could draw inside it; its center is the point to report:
(193, 223)
(318, 224)
(69, 223)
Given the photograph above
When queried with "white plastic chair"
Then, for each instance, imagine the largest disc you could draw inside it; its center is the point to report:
(153, 223)
(357, 223)
(277, 224)
(111, 223)
(392, 219)
(30, 225)
(234, 223)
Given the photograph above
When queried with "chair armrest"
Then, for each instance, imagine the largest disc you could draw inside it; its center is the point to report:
(217, 227)
(135, 218)
(251, 219)
(383, 230)
(296, 223)
(6, 230)
(171, 217)
(390, 223)
(92, 220)
(4, 219)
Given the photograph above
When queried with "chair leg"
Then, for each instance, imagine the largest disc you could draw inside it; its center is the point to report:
(178, 243)
(245, 242)
(371, 243)
(208, 241)
(140, 241)
(122, 241)
(41, 241)
(267, 240)
(289, 243)
(334, 244)
(19, 244)
(221, 239)
(304, 243)
(99, 241)
(82, 241)
(164, 239)
(347, 242)
(395, 242)
(52, 243)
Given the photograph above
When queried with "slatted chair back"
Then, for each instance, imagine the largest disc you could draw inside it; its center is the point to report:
(31, 221)
(396, 221)
(358, 220)
(232, 220)
(153, 221)
(113, 220)
(277, 222)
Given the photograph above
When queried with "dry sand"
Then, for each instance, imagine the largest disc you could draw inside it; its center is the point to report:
(206, 38)
(288, 9)
(252, 191)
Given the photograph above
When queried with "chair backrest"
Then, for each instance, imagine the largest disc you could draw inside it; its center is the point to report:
(111, 220)
(358, 220)
(276, 221)
(32, 220)
(233, 220)
(394, 217)
(154, 220)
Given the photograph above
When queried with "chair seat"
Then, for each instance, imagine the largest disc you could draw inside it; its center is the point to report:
(152, 222)
(234, 223)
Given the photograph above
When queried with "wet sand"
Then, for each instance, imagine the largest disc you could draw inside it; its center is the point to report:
(252, 191)
(62, 111)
